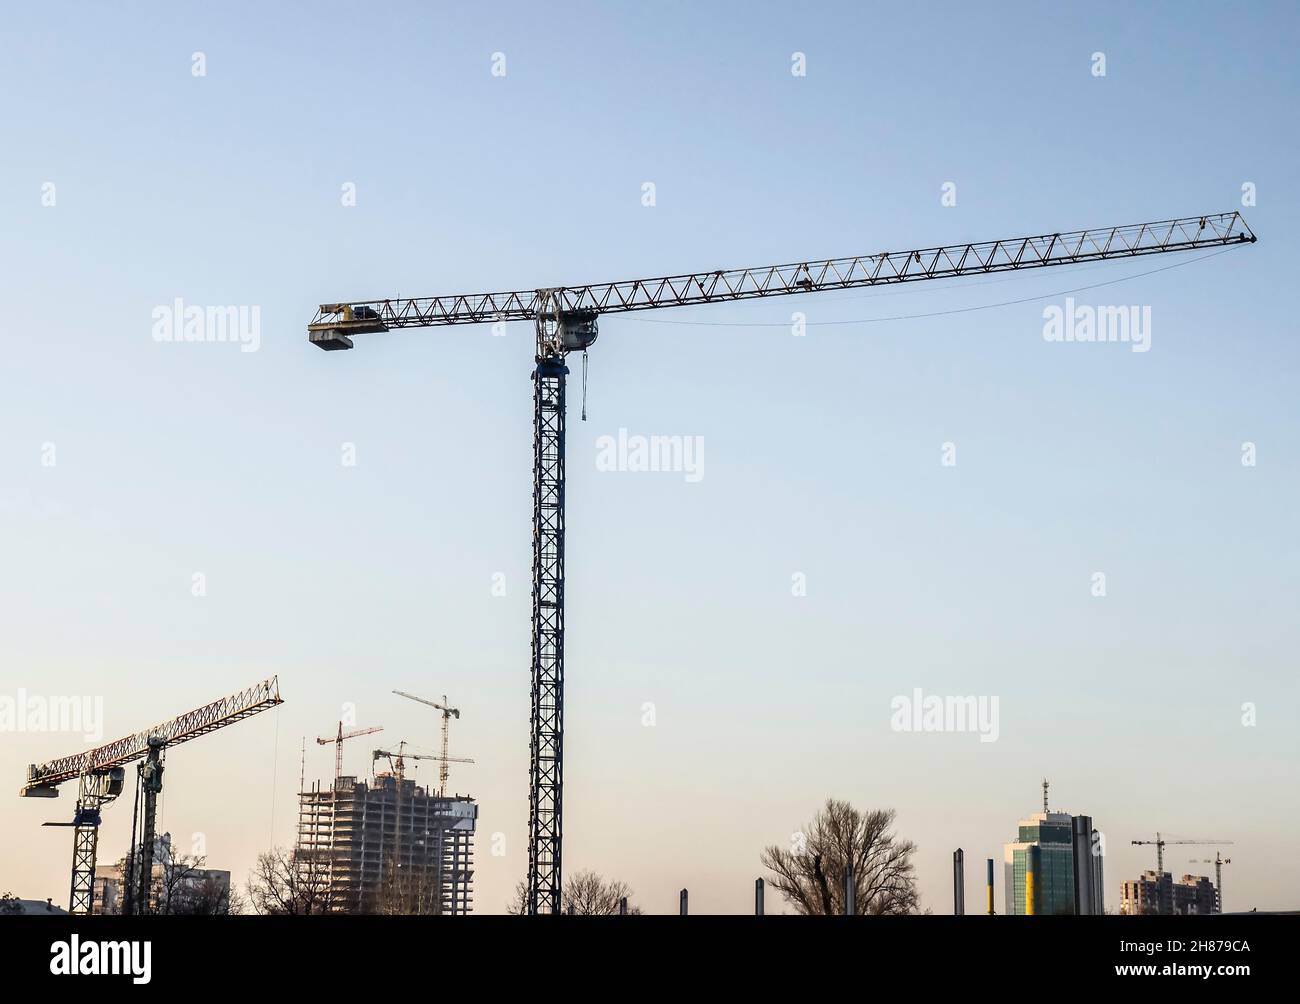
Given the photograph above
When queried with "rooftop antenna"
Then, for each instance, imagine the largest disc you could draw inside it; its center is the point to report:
(1046, 810)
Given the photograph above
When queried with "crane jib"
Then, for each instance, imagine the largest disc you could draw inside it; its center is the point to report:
(42, 778)
(336, 323)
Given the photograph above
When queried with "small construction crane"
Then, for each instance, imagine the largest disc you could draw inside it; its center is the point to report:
(337, 740)
(100, 772)
(448, 713)
(1160, 843)
(398, 759)
(564, 319)
(1218, 863)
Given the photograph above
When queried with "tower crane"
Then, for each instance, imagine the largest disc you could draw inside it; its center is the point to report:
(337, 740)
(448, 713)
(399, 758)
(99, 774)
(565, 320)
(1218, 863)
(1160, 844)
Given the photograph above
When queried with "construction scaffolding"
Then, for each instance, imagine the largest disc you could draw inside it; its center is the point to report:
(388, 847)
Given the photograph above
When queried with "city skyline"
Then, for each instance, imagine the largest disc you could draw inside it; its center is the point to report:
(314, 764)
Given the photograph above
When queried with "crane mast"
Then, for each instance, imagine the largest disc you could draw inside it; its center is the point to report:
(149, 775)
(565, 320)
(546, 718)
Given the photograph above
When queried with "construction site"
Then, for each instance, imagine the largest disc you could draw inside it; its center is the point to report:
(388, 845)
(646, 648)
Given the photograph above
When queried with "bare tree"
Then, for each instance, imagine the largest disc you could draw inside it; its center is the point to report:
(173, 883)
(412, 890)
(281, 883)
(206, 895)
(518, 905)
(810, 875)
(585, 894)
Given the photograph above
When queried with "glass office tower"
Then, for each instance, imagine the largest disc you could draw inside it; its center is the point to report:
(1063, 855)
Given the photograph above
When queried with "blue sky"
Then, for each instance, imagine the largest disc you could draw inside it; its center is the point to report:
(822, 453)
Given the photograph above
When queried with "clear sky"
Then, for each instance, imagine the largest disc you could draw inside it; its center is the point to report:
(822, 454)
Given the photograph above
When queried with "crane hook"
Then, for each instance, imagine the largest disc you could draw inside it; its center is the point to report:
(584, 385)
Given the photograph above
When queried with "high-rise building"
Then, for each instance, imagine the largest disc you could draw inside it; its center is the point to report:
(1054, 866)
(1158, 893)
(386, 847)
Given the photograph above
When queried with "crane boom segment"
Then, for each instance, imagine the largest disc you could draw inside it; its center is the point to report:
(717, 286)
(326, 740)
(379, 754)
(183, 728)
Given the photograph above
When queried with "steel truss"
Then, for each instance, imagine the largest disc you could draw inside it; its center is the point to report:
(546, 746)
(93, 792)
(190, 725)
(881, 268)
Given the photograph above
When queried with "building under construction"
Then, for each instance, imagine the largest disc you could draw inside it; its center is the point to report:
(388, 846)
(1158, 893)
